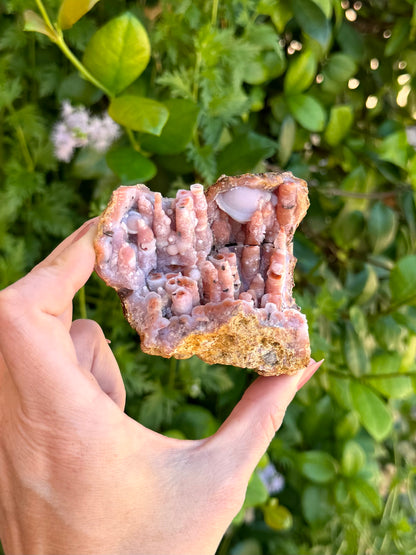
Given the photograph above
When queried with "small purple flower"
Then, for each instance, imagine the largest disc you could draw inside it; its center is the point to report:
(272, 479)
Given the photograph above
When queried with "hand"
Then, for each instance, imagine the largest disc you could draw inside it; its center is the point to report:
(79, 476)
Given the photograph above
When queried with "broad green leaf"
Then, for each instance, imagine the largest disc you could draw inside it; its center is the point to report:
(286, 140)
(316, 505)
(366, 496)
(353, 458)
(131, 166)
(267, 65)
(139, 113)
(399, 36)
(276, 516)
(33, 22)
(72, 10)
(363, 285)
(195, 422)
(250, 546)
(399, 387)
(326, 7)
(382, 227)
(118, 52)
(347, 228)
(374, 414)
(244, 153)
(388, 333)
(394, 149)
(177, 131)
(348, 426)
(256, 493)
(337, 71)
(340, 121)
(300, 73)
(318, 466)
(312, 20)
(307, 111)
(403, 280)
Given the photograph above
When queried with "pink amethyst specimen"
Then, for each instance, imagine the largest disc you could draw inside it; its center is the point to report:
(210, 273)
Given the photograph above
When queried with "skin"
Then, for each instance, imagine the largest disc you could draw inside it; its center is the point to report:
(77, 475)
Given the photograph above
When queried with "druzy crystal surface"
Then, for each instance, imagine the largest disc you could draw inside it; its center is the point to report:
(210, 273)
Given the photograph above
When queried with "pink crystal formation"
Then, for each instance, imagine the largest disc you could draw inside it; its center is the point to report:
(210, 273)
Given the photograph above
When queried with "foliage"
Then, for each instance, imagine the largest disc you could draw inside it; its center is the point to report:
(322, 88)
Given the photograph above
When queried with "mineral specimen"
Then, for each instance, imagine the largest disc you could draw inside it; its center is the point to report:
(210, 273)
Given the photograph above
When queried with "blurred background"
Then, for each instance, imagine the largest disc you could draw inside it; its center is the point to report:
(94, 94)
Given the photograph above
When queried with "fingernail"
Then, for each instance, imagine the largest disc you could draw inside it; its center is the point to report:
(308, 373)
(84, 229)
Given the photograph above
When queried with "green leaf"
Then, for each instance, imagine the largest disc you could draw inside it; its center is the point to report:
(403, 280)
(366, 496)
(307, 111)
(347, 228)
(276, 516)
(130, 166)
(340, 121)
(399, 36)
(250, 546)
(286, 140)
(394, 149)
(312, 20)
(355, 354)
(374, 414)
(195, 422)
(72, 10)
(399, 387)
(316, 505)
(337, 71)
(256, 493)
(318, 466)
(178, 130)
(118, 52)
(382, 227)
(353, 458)
(388, 333)
(33, 22)
(139, 113)
(244, 153)
(267, 65)
(300, 73)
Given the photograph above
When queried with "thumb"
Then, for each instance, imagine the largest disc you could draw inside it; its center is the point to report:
(251, 426)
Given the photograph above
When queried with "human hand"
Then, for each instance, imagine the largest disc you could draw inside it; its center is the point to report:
(77, 475)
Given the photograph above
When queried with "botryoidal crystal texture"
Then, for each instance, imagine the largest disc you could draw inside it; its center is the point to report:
(210, 273)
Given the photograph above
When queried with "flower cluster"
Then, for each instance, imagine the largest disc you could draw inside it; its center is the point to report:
(78, 128)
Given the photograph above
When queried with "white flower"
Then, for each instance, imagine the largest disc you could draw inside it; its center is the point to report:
(102, 132)
(77, 128)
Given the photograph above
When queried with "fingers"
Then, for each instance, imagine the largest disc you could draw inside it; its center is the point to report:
(249, 429)
(35, 344)
(51, 285)
(95, 356)
(75, 236)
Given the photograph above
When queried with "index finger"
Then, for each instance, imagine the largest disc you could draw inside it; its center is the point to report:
(35, 344)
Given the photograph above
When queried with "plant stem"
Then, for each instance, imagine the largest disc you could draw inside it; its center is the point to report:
(80, 67)
(132, 139)
(82, 303)
(214, 12)
(45, 16)
(172, 372)
(60, 42)
(22, 142)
